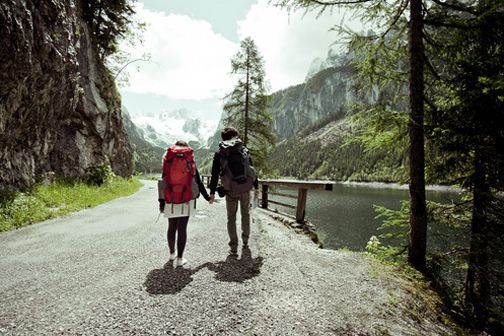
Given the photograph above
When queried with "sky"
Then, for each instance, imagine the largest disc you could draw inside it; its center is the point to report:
(191, 42)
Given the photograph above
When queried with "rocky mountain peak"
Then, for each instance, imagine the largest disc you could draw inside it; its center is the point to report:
(317, 65)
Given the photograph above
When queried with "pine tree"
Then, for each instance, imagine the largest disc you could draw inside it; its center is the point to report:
(246, 105)
(418, 210)
(464, 117)
(466, 126)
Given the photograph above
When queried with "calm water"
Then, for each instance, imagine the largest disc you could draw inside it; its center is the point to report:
(345, 217)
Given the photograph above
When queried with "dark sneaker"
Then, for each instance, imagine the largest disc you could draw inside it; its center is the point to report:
(233, 253)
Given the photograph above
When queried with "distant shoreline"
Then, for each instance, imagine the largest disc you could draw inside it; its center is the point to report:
(387, 185)
(384, 185)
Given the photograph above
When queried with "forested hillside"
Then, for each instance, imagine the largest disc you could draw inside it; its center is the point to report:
(321, 153)
(314, 130)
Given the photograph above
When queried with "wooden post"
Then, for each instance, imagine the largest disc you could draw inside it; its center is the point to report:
(264, 196)
(205, 179)
(301, 205)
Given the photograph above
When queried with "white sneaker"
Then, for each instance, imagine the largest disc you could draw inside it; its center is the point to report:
(173, 256)
(181, 262)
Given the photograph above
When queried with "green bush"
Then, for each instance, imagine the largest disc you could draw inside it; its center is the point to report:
(99, 175)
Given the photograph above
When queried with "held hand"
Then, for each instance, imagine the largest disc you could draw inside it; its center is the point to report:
(161, 205)
(212, 199)
(255, 200)
(256, 195)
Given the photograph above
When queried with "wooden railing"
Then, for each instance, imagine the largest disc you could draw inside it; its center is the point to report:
(205, 178)
(302, 188)
(302, 195)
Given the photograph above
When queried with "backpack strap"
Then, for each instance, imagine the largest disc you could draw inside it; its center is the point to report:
(245, 157)
(223, 161)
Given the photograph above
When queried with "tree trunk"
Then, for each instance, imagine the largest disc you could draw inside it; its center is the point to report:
(418, 213)
(477, 290)
(247, 102)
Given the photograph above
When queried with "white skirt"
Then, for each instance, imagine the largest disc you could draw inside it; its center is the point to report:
(180, 210)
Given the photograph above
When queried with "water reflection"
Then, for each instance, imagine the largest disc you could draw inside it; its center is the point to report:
(345, 216)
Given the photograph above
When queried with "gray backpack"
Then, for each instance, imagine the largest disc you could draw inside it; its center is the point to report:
(237, 174)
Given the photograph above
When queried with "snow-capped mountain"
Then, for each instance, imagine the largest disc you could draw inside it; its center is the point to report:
(163, 129)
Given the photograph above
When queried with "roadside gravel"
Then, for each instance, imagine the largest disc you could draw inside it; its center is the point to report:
(105, 271)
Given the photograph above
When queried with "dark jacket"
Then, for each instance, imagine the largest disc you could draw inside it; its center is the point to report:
(216, 168)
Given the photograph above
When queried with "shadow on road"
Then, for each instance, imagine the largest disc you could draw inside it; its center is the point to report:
(237, 270)
(171, 280)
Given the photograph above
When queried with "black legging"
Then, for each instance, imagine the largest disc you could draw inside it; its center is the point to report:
(177, 224)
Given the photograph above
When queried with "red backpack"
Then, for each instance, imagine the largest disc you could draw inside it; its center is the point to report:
(178, 171)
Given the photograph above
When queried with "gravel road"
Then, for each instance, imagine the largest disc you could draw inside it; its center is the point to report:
(105, 271)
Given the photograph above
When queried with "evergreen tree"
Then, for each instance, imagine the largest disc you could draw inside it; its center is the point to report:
(463, 131)
(108, 20)
(418, 210)
(464, 118)
(246, 105)
(466, 126)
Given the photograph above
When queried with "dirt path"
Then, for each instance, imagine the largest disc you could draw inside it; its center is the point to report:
(104, 271)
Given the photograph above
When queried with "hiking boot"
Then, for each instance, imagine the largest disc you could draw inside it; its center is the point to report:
(181, 262)
(173, 256)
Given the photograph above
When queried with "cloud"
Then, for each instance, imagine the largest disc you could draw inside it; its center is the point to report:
(290, 42)
(188, 59)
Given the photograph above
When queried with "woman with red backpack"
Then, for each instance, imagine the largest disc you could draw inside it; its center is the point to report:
(180, 187)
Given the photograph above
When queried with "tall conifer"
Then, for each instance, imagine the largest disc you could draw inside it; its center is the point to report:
(246, 105)
(418, 210)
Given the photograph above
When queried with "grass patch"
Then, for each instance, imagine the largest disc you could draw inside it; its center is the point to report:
(421, 302)
(43, 202)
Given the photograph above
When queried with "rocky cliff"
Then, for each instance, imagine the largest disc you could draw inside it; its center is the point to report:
(59, 110)
(146, 156)
(325, 95)
(310, 123)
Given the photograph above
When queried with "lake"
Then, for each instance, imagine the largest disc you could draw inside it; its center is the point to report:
(345, 216)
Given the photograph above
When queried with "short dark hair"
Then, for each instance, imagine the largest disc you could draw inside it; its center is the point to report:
(181, 143)
(229, 133)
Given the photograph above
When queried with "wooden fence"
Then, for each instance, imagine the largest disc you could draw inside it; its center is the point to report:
(302, 193)
(302, 188)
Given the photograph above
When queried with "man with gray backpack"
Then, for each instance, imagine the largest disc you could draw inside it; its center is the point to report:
(232, 163)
